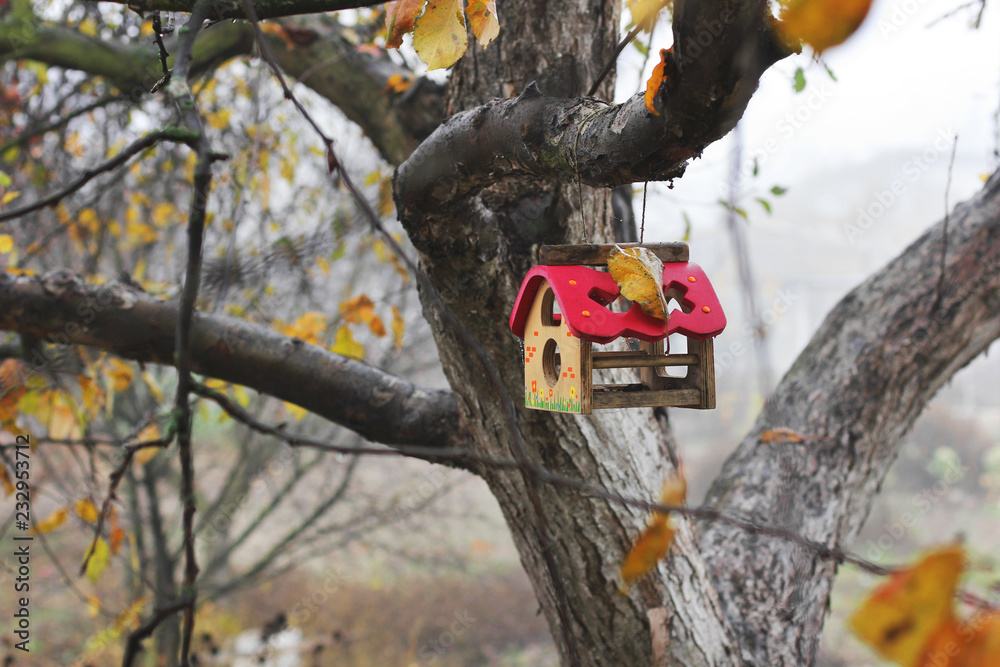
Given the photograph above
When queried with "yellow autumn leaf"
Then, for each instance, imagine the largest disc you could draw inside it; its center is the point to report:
(324, 265)
(154, 387)
(655, 541)
(218, 119)
(821, 23)
(639, 274)
(138, 233)
(439, 35)
(309, 327)
(396, 84)
(398, 327)
(86, 510)
(6, 243)
(98, 560)
(92, 395)
(399, 18)
(120, 374)
(51, 522)
(361, 310)
(483, 20)
(8, 197)
(93, 606)
(345, 344)
(62, 422)
(902, 614)
(163, 214)
(88, 27)
(644, 12)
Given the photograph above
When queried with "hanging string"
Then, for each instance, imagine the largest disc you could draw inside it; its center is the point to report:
(642, 225)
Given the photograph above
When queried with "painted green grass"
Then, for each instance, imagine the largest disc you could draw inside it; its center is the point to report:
(539, 402)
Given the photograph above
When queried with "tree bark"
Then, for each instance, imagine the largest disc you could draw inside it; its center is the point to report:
(876, 361)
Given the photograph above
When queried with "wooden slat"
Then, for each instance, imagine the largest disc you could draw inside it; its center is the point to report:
(591, 254)
(634, 399)
(642, 360)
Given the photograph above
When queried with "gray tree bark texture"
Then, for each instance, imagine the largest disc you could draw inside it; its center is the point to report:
(477, 198)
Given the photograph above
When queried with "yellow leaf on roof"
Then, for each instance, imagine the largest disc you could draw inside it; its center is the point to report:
(639, 274)
(439, 35)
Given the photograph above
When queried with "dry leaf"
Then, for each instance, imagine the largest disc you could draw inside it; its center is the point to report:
(439, 35)
(399, 19)
(361, 310)
(655, 541)
(821, 23)
(398, 327)
(121, 375)
(51, 522)
(644, 12)
(781, 434)
(483, 20)
(901, 615)
(656, 80)
(639, 274)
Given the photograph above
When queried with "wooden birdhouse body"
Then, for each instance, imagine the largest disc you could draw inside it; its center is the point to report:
(563, 309)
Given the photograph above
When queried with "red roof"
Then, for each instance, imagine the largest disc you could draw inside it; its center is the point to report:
(583, 295)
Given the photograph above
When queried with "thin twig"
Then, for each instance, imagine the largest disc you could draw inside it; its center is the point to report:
(613, 59)
(29, 134)
(135, 639)
(939, 291)
(139, 145)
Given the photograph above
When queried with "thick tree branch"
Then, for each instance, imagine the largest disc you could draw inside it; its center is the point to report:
(857, 388)
(61, 308)
(597, 144)
(329, 62)
(233, 9)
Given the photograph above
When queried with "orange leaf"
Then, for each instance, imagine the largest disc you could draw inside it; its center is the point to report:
(398, 327)
(399, 18)
(51, 522)
(483, 20)
(86, 510)
(781, 434)
(821, 23)
(655, 541)
(396, 84)
(361, 310)
(902, 615)
(656, 80)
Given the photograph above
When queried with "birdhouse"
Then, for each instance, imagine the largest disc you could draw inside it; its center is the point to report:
(563, 311)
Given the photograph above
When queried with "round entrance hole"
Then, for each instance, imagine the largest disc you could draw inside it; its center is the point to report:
(551, 362)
